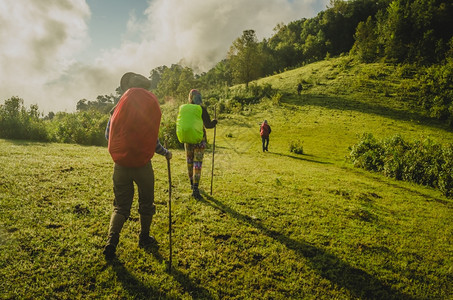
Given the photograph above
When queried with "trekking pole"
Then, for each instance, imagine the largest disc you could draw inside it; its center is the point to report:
(169, 208)
(213, 148)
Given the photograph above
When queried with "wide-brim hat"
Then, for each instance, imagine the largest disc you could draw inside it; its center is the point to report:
(131, 79)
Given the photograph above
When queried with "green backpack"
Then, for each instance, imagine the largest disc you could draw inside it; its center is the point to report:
(189, 125)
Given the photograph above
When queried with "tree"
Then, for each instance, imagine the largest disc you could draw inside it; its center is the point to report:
(103, 104)
(284, 47)
(366, 45)
(82, 105)
(315, 47)
(176, 82)
(219, 75)
(245, 58)
(16, 122)
(156, 76)
(416, 31)
(186, 82)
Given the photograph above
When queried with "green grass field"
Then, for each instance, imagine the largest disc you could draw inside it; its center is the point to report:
(278, 225)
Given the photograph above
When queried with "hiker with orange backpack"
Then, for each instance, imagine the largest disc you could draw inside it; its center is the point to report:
(265, 130)
(193, 119)
(132, 134)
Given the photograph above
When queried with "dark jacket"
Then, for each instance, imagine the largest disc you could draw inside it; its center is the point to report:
(207, 123)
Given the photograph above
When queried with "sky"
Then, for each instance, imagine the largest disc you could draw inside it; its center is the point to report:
(54, 53)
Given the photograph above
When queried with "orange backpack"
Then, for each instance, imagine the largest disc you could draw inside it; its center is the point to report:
(134, 128)
(264, 130)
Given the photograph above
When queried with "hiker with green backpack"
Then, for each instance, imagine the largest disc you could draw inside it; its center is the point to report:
(193, 119)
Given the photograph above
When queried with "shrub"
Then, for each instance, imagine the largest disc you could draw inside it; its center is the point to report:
(296, 147)
(394, 159)
(167, 133)
(252, 94)
(368, 154)
(167, 129)
(85, 128)
(276, 99)
(17, 122)
(445, 178)
(422, 162)
(435, 91)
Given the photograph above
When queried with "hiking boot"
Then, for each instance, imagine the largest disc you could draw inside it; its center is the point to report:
(147, 242)
(196, 194)
(109, 251)
(116, 224)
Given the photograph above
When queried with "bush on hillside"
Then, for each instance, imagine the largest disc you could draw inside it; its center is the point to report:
(17, 122)
(276, 99)
(85, 128)
(368, 153)
(240, 98)
(429, 88)
(230, 106)
(296, 147)
(436, 91)
(423, 162)
(252, 94)
(167, 133)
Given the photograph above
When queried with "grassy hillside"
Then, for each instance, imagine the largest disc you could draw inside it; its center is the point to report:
(278, 225)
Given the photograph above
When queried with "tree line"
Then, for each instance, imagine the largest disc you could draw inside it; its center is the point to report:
(416, 33)
(413, 32)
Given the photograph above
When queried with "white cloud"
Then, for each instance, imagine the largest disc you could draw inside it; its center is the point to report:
(39, 40)
(201, 31)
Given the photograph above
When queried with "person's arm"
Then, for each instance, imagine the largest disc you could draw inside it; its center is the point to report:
(207, 122)
(107, 130)
(269, 129)
(162, 151)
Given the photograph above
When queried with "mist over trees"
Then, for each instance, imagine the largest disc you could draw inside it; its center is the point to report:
(416, 33)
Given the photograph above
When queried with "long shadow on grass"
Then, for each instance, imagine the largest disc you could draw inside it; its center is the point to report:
(195, 290)
(140, 291)
(302, 158)
(339, 103)
(361, 284)
(134, 286)
(392, 182)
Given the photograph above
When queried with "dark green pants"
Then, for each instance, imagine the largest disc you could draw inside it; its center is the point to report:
(123, 188)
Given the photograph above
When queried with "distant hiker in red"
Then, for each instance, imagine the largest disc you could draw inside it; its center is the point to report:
(265, 130)
(132, 134)
(193, 118)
